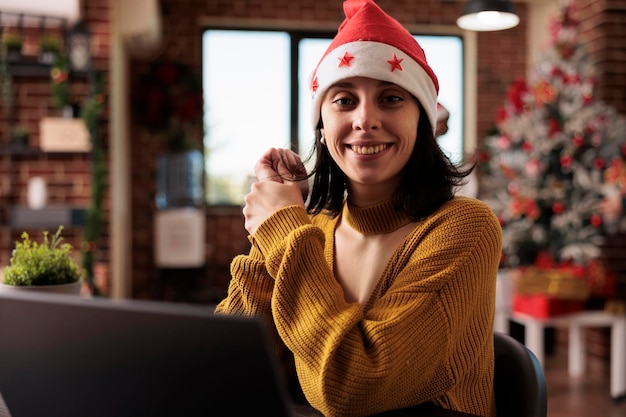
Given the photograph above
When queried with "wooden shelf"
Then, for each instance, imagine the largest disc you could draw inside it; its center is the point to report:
(24, 217)
(27, 152)
(30, 66)
(20, 150)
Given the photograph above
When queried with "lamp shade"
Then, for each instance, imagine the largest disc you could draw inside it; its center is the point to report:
(488, 15)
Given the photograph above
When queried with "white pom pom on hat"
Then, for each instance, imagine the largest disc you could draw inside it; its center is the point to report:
(370, 43)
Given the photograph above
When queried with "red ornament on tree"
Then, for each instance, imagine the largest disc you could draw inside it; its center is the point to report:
(558, 207)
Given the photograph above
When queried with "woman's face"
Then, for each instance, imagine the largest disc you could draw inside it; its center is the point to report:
(370, 129)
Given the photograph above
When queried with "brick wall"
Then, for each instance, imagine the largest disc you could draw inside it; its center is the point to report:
(603, 29)
(67, 175)
(603, 26)
(501, 59)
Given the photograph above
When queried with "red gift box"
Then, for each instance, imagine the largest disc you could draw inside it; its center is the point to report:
(543, 306)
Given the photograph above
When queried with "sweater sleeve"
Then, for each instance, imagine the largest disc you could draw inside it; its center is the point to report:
(420, 336)
(250, 288)
(249, 291)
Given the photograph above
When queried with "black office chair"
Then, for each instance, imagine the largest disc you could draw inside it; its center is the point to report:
(520, 383)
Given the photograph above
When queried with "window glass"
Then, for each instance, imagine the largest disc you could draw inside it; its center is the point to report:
(246, 87)
(445, 56)
(247, 101)
(310, 51)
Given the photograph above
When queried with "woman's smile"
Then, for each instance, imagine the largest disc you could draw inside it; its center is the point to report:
(368, 149)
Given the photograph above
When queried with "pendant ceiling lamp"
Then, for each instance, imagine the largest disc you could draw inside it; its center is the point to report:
(488, 15)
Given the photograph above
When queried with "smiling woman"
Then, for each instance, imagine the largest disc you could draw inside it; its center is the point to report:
(377, 285)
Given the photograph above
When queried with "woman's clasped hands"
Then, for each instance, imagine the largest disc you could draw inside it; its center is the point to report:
(281, 182)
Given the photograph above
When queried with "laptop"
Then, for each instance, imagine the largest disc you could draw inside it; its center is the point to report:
(71, 356)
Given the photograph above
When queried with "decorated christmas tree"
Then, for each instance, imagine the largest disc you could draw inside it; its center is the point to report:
(555, 151)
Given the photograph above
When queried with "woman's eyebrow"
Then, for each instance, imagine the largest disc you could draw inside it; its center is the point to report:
(342, 84)
(348, 84)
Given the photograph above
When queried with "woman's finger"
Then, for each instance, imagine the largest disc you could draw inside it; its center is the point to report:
(266, 169)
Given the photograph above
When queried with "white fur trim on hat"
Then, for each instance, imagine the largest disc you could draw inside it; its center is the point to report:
(374, 60)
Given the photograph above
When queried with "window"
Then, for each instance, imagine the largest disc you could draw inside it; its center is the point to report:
(250, 105)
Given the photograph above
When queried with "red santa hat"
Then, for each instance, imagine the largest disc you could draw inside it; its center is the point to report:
(370, 43)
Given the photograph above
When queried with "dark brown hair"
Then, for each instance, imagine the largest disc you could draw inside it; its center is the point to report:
(429, 177)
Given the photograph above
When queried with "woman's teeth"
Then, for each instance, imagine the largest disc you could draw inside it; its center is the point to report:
(369, 150)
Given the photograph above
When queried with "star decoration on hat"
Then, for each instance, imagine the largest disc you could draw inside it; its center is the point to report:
(344, 61)
(314, 85)
(370, 43)
(395, 63)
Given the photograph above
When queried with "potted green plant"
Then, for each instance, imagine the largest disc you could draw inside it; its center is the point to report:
(12, 43)
(49, 48)
(42, 266)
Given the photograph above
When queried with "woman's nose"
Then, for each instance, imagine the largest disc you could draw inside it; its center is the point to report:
(366, 117)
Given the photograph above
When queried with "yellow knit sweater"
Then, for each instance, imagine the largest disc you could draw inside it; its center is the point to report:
(424, 336)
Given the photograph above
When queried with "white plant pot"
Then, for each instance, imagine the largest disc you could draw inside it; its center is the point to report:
(73, 288)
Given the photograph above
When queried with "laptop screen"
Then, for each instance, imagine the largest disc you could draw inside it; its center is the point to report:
(70, 356)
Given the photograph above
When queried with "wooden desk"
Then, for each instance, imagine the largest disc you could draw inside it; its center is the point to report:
(424, 410)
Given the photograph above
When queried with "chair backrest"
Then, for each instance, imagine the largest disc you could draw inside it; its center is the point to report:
(520, 385)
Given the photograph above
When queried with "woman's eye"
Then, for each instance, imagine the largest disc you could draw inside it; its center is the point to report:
(392, 99)
(343, 101)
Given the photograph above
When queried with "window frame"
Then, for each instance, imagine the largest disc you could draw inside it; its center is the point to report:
(306, 30)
